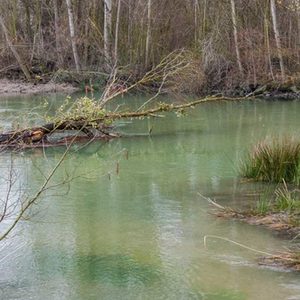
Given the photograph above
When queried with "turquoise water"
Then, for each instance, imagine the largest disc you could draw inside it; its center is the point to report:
(131, 223)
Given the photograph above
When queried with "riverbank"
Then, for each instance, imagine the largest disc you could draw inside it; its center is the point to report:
(69, 82)
(16, 87)
(288, 90)
(283, 223)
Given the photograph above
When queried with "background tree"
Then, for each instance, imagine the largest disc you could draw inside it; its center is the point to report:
(72, 34)
(259, 39)
(277, 37)
(107, 33)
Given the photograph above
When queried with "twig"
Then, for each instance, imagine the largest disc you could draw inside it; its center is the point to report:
(235, 243)
(210, 201)
(36, 196)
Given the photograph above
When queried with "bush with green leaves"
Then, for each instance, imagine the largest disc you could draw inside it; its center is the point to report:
(84, 108)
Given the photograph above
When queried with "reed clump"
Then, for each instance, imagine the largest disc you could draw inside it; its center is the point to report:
(283, 200)
(274, 160)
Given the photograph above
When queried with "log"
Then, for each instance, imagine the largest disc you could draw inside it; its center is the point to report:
(38, 135)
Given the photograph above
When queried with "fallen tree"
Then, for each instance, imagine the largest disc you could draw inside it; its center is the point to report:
(87, 119)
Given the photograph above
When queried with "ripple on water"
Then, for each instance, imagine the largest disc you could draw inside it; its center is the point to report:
(139, 234)
(118, 269)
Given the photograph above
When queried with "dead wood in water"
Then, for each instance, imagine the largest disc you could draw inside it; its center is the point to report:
(38, 136)
(96, 127)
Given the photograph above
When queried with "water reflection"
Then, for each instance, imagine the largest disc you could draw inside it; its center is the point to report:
(133, 228)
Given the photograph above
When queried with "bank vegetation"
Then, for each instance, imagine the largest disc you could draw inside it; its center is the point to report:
(234, 44)
(273, 161)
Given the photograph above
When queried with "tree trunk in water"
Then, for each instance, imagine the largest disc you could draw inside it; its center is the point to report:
(72, 34)
(277, 37)
(36, 135)
(148, 37)
(107, 33)
(117, 31)
(14, 51)
(237, 51)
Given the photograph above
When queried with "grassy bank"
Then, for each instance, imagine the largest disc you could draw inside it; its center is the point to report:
(279, 213)
(274, 161)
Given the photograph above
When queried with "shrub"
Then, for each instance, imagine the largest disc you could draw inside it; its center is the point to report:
(274, 161)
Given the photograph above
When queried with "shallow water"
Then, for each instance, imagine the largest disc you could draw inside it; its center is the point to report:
(131, 224)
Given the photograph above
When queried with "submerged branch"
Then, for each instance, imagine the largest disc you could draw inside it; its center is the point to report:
(93, 123)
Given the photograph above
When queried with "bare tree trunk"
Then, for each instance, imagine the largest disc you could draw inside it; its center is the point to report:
(196, 10)
(237, 50)
(267, 41)
(107, 33)
(129, 31)
(27, 21)
(298, 22)
(290, 33)
(22, 64)
(204, 19)
(148, 37)
(86, 43)
(277, 37)
(14, 18)
(117, 31)
(72, 34)
(37, 41)
(57, 33)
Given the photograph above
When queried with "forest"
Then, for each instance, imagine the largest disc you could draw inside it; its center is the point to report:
(229, 43)
(149, 149)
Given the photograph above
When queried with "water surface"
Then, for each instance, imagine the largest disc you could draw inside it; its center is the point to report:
(131, 224)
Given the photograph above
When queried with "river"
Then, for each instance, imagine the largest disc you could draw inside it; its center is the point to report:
(131, 223)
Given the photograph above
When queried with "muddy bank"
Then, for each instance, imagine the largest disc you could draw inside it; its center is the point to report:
(283, 224)
(8, 87)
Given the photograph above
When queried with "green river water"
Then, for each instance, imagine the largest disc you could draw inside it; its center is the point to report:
(131, 223)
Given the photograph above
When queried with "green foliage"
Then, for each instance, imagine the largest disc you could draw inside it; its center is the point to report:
(282, 200)
(274, 161)
(82, 109)
(287, 200)
(262, 205)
